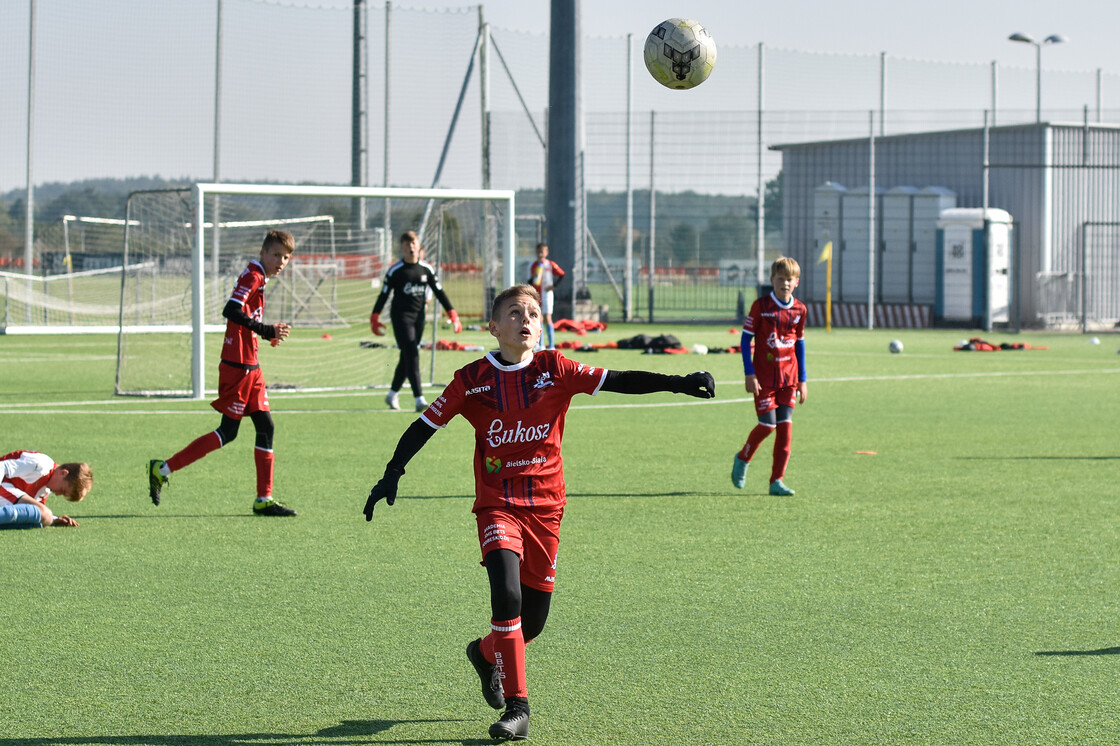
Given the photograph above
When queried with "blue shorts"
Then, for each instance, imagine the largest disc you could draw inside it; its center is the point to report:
(20, 515)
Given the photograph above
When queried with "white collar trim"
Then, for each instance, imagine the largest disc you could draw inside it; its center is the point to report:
(516, 366)
(780, 304)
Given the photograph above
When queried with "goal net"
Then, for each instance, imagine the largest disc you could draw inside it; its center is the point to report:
(184, 249)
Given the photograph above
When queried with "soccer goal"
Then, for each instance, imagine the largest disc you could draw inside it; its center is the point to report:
(183, 250)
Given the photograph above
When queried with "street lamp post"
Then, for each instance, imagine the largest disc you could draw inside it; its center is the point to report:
(1028, 39)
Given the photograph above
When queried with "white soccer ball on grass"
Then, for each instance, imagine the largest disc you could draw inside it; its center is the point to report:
(896, 346)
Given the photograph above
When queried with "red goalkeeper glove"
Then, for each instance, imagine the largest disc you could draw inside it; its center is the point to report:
(375, 324)
(455, 323)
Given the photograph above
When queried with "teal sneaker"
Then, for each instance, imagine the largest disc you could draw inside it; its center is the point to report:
(156, 480)
(739, 472)
(778, 487)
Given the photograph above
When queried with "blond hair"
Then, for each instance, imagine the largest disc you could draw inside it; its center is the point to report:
(279, 237)
(515, 291)
(785, 266)
(79, 478)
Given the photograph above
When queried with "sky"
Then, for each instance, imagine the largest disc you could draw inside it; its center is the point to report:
(946, 30)
(125, 87)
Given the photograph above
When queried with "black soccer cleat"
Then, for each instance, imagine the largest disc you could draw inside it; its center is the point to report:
(488, 673)
(271, 507)
(156, 480)
(514, 723)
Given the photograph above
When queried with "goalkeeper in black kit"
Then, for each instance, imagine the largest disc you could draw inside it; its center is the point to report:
(409, 281)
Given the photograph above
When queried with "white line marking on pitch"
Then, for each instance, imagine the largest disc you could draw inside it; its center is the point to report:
(48, 407)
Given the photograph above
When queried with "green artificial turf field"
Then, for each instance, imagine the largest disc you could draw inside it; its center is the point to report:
(958, 586)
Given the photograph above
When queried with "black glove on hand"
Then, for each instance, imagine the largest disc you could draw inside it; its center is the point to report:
(386, 488)
(699, 384)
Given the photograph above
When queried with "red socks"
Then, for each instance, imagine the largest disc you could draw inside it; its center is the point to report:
(505, 647)
(198, 448)
(264, 461)
(782, 443)
(754, 440)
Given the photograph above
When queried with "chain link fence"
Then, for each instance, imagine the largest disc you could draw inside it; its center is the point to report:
(129, 88)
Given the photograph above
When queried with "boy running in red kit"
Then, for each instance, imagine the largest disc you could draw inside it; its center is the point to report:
(241, 389)
(776, 375)
(517, 400)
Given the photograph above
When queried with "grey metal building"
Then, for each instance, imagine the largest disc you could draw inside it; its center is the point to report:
(1060, 182)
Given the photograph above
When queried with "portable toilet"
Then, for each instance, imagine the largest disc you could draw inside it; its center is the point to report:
(896, 245)
(973, 266)
(929, 203)
(853, 271)
(826, 227)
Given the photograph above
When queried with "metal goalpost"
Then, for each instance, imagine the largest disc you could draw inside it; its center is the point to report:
(201, 191)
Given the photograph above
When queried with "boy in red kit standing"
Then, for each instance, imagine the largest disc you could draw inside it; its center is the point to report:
(516, 399)
(776, 375)
(241, 389)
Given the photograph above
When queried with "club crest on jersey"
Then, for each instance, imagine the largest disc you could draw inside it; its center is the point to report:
(544, 379)
(493, 465)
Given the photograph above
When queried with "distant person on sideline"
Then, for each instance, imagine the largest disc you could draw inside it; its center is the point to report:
(544, 275)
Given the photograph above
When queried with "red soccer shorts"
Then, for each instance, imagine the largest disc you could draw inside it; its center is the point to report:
(533, 534)
(770, 399)
(240, 391)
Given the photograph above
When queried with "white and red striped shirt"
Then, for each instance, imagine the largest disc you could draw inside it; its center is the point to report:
(25, 474)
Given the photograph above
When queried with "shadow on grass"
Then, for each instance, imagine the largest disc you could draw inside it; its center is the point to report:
(345, 733)
(1099, 651)
(166, 515)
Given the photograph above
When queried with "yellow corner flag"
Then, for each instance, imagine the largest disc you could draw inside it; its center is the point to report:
(826, 253)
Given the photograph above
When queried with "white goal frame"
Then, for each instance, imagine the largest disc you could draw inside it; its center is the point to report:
(198, 263)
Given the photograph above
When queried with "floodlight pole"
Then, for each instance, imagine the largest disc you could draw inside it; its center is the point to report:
(1028, 39)
(29, 226)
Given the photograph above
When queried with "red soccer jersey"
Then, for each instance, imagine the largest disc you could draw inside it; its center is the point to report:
(776, 327)
(518, 416)
(544, 273)
(240, 345)
(25, 473)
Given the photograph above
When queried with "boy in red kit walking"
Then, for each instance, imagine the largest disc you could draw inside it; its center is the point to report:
(241, 389)
(776, 374)
(516, 399)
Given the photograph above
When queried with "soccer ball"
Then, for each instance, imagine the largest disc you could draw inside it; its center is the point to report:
(896, 346)
(680, 53)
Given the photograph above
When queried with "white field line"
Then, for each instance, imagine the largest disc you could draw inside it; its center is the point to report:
(54, 407)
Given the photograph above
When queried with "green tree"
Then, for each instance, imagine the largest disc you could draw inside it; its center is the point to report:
(683, 239)
(773, 200)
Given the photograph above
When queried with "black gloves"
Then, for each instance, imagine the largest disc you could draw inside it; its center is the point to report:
(699, 384)
(386, 488)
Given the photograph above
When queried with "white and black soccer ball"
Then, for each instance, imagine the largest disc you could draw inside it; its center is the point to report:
(895, 346)
(680, 53)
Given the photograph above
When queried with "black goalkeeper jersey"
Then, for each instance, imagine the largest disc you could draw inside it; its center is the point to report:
(409, 284)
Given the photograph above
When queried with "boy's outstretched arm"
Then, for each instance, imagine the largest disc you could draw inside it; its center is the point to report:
(408, 446)
(699, 384)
